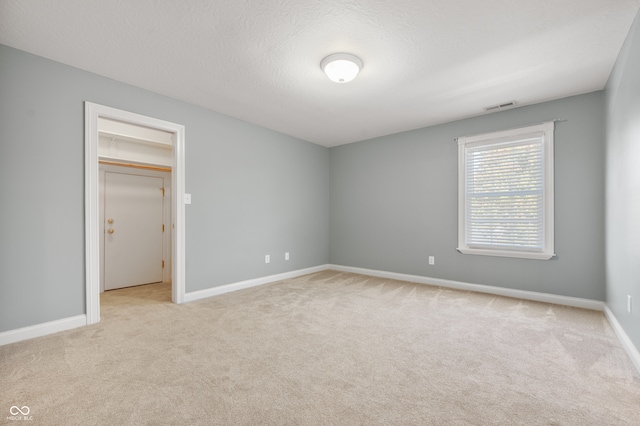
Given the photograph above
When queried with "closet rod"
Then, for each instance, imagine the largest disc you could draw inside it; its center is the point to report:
(135, 166)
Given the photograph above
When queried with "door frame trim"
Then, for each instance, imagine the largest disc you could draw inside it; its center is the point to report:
(92, 241)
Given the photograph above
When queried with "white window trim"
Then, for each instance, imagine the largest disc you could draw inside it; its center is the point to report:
(548, 251)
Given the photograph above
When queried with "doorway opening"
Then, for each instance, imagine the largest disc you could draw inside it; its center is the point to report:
(135, 222)
(158, 147)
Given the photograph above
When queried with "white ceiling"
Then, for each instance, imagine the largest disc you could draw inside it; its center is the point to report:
(425, 61)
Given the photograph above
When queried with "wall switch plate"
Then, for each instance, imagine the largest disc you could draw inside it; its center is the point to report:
(267, 258)
(187, 198)
(286, 255)
(432, 260)
(628, 303)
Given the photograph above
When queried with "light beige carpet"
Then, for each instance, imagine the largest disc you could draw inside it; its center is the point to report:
(328, 348)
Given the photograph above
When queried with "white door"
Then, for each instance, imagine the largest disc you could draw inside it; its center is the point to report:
(133, 230)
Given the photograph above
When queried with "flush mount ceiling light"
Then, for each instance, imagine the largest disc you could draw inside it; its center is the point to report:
(341, 67)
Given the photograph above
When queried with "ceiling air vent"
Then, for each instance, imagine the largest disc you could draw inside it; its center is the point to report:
(501, 106)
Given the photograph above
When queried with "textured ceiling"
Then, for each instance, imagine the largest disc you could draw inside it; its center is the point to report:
(425, 61)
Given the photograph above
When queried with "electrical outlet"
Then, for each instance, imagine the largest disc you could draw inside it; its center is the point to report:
(432, 260)
(286, 256)
(628, 303)
(267, 258)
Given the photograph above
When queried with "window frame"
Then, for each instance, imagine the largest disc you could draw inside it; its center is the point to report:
(548, 250)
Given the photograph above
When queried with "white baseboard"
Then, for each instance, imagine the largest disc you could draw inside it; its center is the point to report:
(480, 288)
(628, 345)
(64, 324)
(597, 305)
(43, 329)
(241, 285)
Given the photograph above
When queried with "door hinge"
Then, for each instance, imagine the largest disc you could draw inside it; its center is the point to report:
(163, 227)
(162, 189)
(163, 264)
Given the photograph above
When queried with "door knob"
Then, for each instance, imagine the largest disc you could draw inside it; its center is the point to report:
(110, 231)
(109, 221)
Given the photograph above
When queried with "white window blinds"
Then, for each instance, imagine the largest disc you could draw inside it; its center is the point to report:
(506, 193)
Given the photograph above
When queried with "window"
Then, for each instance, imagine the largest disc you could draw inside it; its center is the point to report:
(505, 193)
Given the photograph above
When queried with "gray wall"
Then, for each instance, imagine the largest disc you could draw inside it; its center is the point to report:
(386, 204)
(393, 203)
(255, 191)
(623, 185)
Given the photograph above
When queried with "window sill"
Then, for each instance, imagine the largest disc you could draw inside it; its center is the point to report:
(504, 253)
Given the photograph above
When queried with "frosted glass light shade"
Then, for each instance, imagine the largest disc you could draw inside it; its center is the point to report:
(341, 67)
